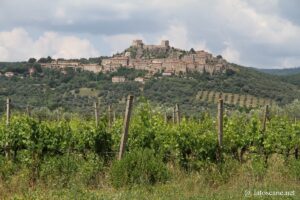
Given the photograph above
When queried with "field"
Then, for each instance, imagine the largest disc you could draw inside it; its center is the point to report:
(181, 186)
(249, 101)
(76, 158)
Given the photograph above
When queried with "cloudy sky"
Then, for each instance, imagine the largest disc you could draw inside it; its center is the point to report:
(257, 33)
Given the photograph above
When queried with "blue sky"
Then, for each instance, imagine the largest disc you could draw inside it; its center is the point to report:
(256, 33)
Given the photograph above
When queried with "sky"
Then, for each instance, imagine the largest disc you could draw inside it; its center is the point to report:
(254, 33)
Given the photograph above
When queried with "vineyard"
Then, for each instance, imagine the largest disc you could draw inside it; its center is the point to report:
(59, 153)
(249, 101)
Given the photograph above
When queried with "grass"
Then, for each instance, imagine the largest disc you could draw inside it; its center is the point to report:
(89, 92)
(206, 184)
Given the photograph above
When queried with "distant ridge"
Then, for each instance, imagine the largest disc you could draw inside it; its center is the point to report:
(281, 72)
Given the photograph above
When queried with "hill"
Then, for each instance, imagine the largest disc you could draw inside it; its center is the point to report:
(293, 79)
(172, 76)
(245, 81)
(76, 90)
(281, 72)
(289, 75)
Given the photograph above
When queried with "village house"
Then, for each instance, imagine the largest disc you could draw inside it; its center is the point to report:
(139, 79)
(116, 61)
(118, 79)
(31, 71)
(65, 63)
(91, 67)
(9, 74)
(167, 73)
(176, 63)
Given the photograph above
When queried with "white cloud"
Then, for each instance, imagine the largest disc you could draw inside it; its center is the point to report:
(230, 53)
(4, 53)
(178, 35)
(264, 6)
(18, 45)
(60, 13)
(257, 26)
(261, 27)
(117, 43)
(260, 34)
(289, 61)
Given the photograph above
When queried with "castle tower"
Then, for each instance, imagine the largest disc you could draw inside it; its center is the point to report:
(165, 43)
(137, 43)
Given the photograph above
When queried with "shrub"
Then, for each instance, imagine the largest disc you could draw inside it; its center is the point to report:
(72, 169)
(257, 167)
(219, 173)
(89, 170)
(57, 171)
(7, 168)
(141, 166)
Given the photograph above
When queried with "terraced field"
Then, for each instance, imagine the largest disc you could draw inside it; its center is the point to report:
(248, 101)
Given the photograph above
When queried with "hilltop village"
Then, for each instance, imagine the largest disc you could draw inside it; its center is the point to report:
(160, 58)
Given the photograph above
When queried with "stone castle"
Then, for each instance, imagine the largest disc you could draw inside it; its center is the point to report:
(140, 44)
(179, 62)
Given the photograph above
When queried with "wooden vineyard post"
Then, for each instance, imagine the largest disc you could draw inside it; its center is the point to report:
(265, 118)
(264, 126)
(166, 117)
(98, 108)
(220, 128)
(96, 113)
(297, 147)
(114, 116)
(109, 110)
(173, 116)
(8, 111)
(177, 114)
(125, 126)
(6, 148)
(28, 110)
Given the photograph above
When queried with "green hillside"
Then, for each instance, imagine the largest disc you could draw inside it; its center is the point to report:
(76, 91)
(281, 72)
(293, 79)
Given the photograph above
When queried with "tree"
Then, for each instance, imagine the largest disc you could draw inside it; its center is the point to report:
(192, 50)
(49, 59)
(219, 57)
(31, 60)
(37, 67)
(42, 60)
(45, 60)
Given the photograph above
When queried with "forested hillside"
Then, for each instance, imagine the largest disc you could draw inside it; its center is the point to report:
(77, 90)
(281, 72)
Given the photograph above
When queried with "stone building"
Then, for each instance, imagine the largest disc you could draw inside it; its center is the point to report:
(116, 61)
(177, 62)
(118, 79)
(92, 67)
(139, 44)
(31, 71)
(139, 79)
(9, 74)
(167, 73)
(165, 44)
